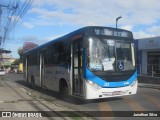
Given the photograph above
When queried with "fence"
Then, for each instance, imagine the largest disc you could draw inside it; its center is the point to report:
(151, 74)
(152, 70)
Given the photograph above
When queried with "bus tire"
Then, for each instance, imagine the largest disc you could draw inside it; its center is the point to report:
(64, 88)
(33, 86)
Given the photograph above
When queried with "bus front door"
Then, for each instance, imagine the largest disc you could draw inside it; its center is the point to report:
(77, 79)
(26, 68)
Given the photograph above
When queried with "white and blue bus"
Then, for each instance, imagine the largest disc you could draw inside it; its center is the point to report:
(92, 62)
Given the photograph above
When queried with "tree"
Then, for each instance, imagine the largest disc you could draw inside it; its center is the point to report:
(26, 46)
(16, 62)
(20, 51)
(29, 45)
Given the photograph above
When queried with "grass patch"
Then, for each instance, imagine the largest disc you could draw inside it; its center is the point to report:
(2, 78)
(10, 101)
(76, 116)
(79, 116)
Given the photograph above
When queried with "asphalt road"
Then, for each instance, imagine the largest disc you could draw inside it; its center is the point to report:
(146, 99)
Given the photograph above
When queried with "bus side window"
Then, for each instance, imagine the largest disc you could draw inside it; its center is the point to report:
(61, 52)
(56, 53)
(67, 52)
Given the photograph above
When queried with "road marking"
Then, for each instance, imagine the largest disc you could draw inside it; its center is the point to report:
(26, 91)
(133, 104)
(1, 101)
(152, 99)
(104, 106)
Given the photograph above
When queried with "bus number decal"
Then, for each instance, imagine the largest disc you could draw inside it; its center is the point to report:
(126, 83)
(106, 84)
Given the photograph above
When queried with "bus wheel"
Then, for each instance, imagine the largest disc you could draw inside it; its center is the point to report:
(64, 88)
(33, 83)
(65, 91)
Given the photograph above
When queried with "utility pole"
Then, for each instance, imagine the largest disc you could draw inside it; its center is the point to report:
(1, 38)
(1, 11)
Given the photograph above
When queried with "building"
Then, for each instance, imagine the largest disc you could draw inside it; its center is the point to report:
(148, 56)
(6, 59)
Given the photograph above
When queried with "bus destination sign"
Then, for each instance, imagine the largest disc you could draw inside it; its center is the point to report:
(112, 32)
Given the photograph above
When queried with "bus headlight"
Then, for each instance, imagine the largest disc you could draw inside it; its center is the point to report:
(93, 85)
(133, 83)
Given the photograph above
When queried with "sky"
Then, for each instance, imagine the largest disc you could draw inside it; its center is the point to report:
(49, 19)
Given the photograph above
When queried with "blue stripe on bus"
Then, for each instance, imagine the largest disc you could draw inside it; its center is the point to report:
(90, 76)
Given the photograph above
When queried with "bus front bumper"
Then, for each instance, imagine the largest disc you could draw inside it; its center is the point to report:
(92, 93)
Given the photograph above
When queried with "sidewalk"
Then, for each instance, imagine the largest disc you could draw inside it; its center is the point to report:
(147, 85)
(149, 79)
(16, 98)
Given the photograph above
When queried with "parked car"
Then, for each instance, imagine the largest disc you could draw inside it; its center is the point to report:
(2, 72)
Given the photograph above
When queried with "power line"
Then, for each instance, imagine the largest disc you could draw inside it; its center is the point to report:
(15, 11)
(22, 12)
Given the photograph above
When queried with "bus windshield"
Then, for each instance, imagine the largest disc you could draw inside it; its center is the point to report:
(110, 55)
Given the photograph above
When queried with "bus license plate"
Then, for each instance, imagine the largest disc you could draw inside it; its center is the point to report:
(116, 93)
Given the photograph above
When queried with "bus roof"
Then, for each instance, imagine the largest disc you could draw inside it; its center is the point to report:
(82, 31)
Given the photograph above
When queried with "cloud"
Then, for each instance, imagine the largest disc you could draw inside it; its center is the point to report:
(28, 25)
(39, 41)
(155, 30)
(101, 13)
(152, 31)
(79, 13)
(47, 39)
(142, 34)
(31, 38)
(127, 27)
(43, 2)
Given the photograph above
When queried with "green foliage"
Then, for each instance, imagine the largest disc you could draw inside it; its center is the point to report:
(20, 51)
(16, 62)
(6, 66)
